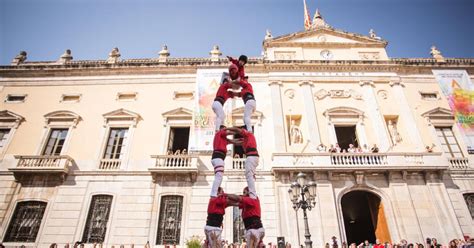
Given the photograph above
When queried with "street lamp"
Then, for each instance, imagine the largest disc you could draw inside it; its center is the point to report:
(303, 196)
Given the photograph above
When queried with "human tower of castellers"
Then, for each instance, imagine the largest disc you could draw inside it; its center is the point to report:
(248, 202)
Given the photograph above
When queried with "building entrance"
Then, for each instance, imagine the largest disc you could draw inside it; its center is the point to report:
(364, 218)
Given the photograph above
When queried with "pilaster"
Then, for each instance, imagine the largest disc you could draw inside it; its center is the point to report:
(310, 109)
(277, 115)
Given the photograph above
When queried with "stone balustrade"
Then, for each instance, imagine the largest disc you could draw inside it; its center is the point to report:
(110, 164)
(42, 164)
(459, 163)
(177, 164)
(238, 164)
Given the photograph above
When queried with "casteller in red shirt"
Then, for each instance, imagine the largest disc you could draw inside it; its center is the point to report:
(216, 210)
(220, 144)
(240, 65)
(249, 143)
(251, 213)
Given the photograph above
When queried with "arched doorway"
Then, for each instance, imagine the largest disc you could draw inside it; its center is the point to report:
(364, 217)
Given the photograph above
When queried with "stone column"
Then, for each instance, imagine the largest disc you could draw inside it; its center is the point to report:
(407, 116)
(278, 117)
(360, 128)
(375, 116)
(310, 112)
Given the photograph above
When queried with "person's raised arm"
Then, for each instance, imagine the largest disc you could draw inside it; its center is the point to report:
(235, 198)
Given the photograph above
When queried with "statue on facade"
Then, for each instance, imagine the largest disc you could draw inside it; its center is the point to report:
(19, 59)
(296, 136)
(394, 134)
(436, 54)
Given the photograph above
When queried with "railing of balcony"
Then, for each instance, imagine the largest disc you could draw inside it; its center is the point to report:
(175, 161)
(238, 163)
(44, 162)
(110, 164)
(358, 159)
(459, 163)
(337, 160)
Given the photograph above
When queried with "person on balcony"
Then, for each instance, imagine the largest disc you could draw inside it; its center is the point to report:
(374, 149)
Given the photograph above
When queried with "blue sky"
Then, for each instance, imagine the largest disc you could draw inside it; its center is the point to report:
(91, 28)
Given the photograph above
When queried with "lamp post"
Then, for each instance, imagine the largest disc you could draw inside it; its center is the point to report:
(303, 196)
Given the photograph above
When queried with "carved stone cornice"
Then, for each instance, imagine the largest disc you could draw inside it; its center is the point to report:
(325, 45)
(277, 83)
(367, 83)
(321, 94)
(396, 83)
(309, 83)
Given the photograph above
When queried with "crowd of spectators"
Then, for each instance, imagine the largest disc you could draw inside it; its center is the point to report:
(351, 149)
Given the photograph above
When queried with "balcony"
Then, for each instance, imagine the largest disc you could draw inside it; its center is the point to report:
(110, 164)
(238, 164)
(460, 164)
(175, 165)
(357, 163)
(42, 165)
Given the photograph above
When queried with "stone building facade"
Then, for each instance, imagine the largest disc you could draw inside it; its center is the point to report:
(89, 148)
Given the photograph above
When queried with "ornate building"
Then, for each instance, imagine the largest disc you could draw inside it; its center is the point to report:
(93, 151)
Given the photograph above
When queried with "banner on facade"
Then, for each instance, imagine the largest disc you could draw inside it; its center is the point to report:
(459, 90)
(202, 130)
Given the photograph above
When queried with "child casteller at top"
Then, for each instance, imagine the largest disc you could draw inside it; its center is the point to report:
(240, 64)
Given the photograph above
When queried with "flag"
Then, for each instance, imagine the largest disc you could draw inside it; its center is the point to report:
(307, 17)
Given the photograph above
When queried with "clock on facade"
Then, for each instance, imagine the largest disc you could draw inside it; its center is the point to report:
(326, 54)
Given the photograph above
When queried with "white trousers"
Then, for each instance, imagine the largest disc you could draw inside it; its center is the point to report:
(220, 114)
(213, 236)
(249, 108)
(254, 236)
(218, 165)
(251, 164)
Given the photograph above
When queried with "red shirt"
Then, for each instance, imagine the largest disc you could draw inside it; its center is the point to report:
(241, 71)
(249, 144)
(250, 207)
(223, 93)
(220, 141)
(217, 205)
(246, 87)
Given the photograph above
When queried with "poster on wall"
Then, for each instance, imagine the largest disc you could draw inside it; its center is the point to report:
(202, 130)
(459, 90)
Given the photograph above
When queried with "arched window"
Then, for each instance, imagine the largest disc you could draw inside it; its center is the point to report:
(169, 224)
(26, 221)
(469, 198)
(97, 219)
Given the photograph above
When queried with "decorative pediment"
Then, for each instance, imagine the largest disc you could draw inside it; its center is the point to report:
(8, 118)
(324, 36)
(439, 116)
(121, 115)
(178, 115)
(344, 114)
(62, 116)
(179, 112)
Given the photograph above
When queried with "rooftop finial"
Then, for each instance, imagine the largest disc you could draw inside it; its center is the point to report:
(65, 57)
(215, 53)
(164, 53)
(318, 21)
(373, 35)
(114, 56)
(19, 59)
(268, 34)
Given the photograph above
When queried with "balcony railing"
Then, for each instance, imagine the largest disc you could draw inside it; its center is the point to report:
(459, 163)
(175, 164)
(360, 160)
(42, 164)
(238, 163)
(110, 164)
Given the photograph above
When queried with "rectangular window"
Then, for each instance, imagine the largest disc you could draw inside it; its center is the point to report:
(116, 143)
(25, 222)
(127, 96)
(13, 98)
(429, 95)
(169, 224)
(55, 142)
(449, 143)
(346, 135)
(97, 218)
(239, 229)
(71, 98)
(179, 139)
(3, 137)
